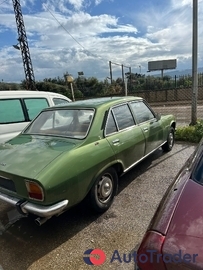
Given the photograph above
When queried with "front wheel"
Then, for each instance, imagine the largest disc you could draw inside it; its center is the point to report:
(104, 189)
(170, 141)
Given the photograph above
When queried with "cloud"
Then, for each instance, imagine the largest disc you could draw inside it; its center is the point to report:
(69, 35)
(76, 3)
(97, 2)
(65, 5)
(181, 3)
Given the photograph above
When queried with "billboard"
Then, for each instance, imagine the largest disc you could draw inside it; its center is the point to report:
(162, 64)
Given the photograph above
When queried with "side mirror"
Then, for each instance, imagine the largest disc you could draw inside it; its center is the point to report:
(158, 116)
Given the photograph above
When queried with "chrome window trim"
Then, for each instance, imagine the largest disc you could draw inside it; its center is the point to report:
(118, 130)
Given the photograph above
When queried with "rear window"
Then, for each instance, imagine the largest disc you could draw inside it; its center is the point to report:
(11, 111)
(72, 123)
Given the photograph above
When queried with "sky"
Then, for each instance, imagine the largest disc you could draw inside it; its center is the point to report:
(70, 36)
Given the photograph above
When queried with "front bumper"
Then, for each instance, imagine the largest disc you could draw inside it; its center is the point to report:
(25, 207)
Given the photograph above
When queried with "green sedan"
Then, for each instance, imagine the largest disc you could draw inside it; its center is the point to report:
(77, 151)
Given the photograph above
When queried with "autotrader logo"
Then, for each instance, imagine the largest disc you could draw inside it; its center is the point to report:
(94, 257)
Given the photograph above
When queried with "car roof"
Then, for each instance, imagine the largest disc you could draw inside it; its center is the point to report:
(19, 93)
(98, 102)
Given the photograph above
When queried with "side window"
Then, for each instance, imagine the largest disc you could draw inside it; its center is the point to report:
(110, 125)
(35, 105)
(198, 172)
(11, 111)
(123, 116)
(141, 111)
(58, 101)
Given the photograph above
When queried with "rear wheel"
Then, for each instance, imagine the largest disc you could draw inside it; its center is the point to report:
(170, 141)
(104, 190)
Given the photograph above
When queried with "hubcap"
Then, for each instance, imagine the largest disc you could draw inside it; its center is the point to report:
(105, 188)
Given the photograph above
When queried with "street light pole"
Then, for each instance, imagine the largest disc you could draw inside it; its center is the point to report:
(194, 64)
(70, 80)
(72, 91)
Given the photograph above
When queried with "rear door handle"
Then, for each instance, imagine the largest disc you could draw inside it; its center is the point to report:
(115, 141)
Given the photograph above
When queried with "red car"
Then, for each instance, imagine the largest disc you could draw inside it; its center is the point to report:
(174, 238)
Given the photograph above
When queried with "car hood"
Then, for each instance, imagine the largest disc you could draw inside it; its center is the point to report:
(27, 155)
(185, 232)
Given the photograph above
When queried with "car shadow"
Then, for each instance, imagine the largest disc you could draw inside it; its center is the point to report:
(22, 242)
(151, 161)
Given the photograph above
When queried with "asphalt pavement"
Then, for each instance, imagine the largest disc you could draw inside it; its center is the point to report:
(61, 242)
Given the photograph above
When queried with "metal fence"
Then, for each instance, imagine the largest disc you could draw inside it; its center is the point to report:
(175, 101)
(158, 83)
(170, 95)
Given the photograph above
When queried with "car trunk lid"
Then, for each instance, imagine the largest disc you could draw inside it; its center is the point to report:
(164, 213)
(185, 233)
(33, 154)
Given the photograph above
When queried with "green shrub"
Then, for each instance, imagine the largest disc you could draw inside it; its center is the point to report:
(199, 129)
(190, 133)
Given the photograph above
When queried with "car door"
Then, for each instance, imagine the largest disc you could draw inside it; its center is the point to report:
(125, 137)
(34, 105)
(12, 118)
(149, 124)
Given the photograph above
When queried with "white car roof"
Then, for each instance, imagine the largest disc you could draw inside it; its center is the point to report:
(24, 93)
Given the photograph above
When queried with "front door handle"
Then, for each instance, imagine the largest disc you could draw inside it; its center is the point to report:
(115, 141)
(145, 129)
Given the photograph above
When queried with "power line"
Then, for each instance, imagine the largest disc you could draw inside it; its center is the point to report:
(65, 29)
(94, 55)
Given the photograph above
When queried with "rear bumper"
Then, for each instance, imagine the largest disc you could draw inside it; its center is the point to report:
(25, 207)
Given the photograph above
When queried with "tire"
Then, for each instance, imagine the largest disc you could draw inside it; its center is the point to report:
(170, 141)
(104, 190)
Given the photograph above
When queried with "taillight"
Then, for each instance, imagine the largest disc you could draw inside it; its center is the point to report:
(149, 254)
(34, 190)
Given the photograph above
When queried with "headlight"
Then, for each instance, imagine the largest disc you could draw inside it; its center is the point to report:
(35, 191)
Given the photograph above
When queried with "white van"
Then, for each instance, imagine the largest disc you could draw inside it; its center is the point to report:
(18, 108)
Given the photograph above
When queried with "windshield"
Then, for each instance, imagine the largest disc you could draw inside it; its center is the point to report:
(72, 123)
(197, 175)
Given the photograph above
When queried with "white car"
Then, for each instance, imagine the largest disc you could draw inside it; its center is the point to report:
(18, 108)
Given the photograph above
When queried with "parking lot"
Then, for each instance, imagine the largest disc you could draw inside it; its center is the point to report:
(61, 242)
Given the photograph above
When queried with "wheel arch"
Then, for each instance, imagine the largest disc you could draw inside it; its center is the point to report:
(104, 189)
(118, 166)
(173, 125)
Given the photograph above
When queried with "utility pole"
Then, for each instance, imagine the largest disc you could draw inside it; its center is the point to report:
(22, 38)
(110, 71)
(130, 76)
(194, 63)
(122, 70)
(123, 74)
